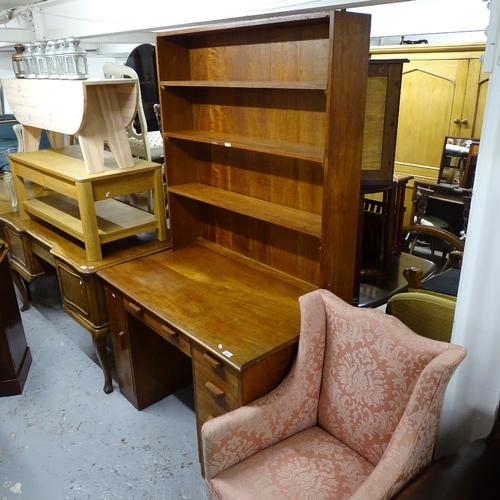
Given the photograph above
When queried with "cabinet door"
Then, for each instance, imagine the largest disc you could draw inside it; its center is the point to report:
(121, 343)
(82, 295)
(432, 99)
(478, 102)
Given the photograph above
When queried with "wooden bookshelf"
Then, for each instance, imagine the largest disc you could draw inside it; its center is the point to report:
(263, 125)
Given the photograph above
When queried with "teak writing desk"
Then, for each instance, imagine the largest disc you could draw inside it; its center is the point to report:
(238, 325)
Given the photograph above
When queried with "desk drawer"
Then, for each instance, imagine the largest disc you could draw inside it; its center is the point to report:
(178, 339)
(217, 384)
(42, 251)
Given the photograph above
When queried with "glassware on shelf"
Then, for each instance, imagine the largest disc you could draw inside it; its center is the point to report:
(29, 61)
(41, 58)
(17, 60)
(76, 60)
(62, 70)
(63, 58)
(50, 55)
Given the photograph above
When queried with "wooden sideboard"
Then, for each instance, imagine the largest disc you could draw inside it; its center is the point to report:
(34, 244)
(15, 355)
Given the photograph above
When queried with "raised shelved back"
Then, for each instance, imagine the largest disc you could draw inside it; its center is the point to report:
(263, 123)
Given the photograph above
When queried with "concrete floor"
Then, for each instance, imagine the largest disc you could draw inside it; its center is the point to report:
(63, 438)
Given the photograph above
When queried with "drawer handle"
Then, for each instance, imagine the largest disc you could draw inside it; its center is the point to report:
(214, 390)
(213, 362)
(168, 331)
(123, 341)
(135, 309)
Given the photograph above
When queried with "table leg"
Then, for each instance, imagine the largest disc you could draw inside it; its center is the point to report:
(99, 338)
(89, 221)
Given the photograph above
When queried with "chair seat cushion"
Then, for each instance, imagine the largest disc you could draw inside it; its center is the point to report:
(433, 221)
(445, 283)
(155, 143)
(310, 465)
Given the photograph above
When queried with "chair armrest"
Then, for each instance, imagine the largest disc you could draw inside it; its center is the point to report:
(413, 276)
(410, 449)
(288, 409)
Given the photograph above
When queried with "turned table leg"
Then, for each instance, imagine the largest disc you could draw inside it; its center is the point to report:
(99, 338)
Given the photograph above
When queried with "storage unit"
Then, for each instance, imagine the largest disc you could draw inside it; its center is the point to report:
(443, 93)
(381, 120)
(15, 355)
(263, 122)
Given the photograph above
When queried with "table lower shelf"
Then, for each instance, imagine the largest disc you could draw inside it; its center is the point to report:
(115, 220)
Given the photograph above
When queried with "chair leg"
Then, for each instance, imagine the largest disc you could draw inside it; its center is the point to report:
(10, 186)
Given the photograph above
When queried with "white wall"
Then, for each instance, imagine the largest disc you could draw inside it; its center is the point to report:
(429, 17)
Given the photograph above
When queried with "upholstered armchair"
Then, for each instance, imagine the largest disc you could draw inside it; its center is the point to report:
(355, 418)
(426, 314)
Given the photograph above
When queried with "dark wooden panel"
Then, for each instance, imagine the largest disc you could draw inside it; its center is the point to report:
(15, 357)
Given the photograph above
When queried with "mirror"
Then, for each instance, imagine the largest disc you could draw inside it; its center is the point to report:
(458, 161)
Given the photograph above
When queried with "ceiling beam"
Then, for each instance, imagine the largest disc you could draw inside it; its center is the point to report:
(14, 35)
(94, 18)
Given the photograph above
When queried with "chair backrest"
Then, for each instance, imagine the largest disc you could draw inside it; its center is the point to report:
(376, 371)
(143, 60)
(140, 132)
(426, 314)
(18, 131)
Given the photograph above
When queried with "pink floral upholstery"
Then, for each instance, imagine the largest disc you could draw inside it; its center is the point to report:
(355, 418)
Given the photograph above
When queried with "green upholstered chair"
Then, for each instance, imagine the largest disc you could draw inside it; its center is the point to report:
(426, 314)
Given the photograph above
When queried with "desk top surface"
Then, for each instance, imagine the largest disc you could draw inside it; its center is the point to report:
(228, 306)
(224, 305)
